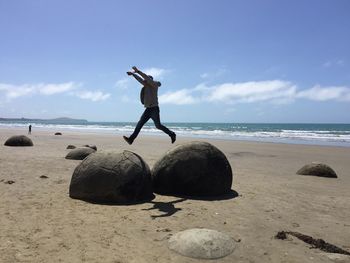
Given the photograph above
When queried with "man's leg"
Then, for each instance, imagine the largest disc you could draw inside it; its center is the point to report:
(144, 118)
(156, 119)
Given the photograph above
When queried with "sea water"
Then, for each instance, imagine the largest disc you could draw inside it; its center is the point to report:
(299, 133)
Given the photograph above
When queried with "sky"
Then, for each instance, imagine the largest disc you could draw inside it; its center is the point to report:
(273, 61)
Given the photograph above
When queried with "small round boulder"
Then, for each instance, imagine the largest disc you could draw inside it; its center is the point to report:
(202, 243)
(19, 140)
(70, 146)
(317, 169)
(193, 169)
(79, 153)
(112, 178)
(58, 133)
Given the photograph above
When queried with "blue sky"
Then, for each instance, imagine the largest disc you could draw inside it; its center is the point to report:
(218, 61)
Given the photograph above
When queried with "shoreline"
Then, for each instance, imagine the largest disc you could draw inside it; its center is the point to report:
(113, 131)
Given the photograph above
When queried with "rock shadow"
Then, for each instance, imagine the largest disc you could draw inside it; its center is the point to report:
(167, 207)
(230, 195)
(125, 203)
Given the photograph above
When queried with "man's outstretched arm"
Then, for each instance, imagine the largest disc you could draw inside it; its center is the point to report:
(137, 77)
(145, 76)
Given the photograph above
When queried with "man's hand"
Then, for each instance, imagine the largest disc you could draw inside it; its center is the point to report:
(135, 68)
(137, 77)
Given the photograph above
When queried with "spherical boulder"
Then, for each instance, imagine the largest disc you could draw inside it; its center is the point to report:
(70, 146)
(317, 169)
(79, 153)
(19, 140)
(193, 169)
(202, 243)
(113, 178)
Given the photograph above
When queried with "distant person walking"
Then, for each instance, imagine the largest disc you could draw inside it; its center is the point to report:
(149, 97)
(30, 129)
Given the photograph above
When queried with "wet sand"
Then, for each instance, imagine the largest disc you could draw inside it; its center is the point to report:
(40, 223)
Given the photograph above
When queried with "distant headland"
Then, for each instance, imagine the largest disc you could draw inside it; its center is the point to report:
(61, 120)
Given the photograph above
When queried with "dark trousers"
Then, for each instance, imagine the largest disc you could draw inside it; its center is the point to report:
(150, 113)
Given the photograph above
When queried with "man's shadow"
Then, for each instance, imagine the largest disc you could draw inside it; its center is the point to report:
(167, 207)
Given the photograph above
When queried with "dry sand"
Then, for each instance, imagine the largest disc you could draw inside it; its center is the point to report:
(40, 223)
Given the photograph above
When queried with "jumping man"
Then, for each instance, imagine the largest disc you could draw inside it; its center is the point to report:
(149, 97)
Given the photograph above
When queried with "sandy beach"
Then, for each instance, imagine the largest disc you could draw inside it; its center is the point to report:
(41, 223)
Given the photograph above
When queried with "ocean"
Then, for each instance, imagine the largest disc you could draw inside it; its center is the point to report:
(295, 133)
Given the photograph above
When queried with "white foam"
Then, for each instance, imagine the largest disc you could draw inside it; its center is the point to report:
(238, 132)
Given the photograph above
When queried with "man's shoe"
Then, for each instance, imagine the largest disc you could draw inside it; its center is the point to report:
(127, 140)
(173, 137)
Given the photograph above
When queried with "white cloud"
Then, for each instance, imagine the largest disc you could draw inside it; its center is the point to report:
(270, 91)
(319, 93)
(92, 95)
(332, 63)
(327, 64)
(179, 97)
(156, 73)
(122, 83)
(15, 91)
(340, 62)
(275, 91)
(12, 91)
(215, 74)
(252, 91)
(50, 89)
(125, 98)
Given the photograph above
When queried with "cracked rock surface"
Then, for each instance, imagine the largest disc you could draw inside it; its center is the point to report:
(113, 178)
(193, 169)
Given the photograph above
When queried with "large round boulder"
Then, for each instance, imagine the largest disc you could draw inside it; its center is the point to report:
(79, 153)
(202, 243)
(317, 169)
(19, 140)
(113, 178)
(193, 169)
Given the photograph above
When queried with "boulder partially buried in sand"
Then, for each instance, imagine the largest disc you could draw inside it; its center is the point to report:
(202, 243)
(79, 153)
(91, 146)
(112, 177)
(317, 169)
(70, 146)
(58, 133)
(19, 140)
(193, 169)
